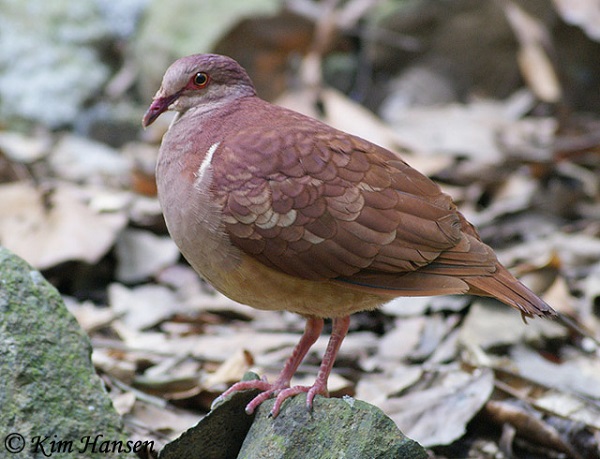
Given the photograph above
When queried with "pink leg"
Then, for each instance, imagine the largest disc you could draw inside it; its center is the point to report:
(312, 331)
(338, 333)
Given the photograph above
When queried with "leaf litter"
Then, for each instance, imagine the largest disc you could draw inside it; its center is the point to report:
(464, 376)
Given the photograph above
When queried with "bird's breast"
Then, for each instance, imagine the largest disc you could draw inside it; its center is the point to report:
(192, 213)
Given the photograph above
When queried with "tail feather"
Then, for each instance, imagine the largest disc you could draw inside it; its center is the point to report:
(506, 288)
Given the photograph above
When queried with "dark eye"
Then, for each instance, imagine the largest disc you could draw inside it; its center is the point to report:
(200, 79)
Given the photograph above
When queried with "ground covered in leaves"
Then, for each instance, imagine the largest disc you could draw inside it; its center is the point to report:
(464, 376)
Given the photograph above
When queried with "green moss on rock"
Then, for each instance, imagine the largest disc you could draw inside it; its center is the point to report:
(48, 386)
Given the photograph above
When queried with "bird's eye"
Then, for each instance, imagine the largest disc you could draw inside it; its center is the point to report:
(200, 79)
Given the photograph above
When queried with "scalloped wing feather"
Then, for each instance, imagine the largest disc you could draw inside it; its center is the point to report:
(329, 205)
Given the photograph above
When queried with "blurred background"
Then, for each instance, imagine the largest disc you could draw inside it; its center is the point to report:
(496, 100)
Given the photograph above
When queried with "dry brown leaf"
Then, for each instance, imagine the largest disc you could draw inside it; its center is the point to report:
(376, 388)
(514, 195)
(536, 66)
(24, 149)
(528, 424)
(357, 345)
(144, 306)
(448, 349)
(529, 139)
(437, 414)
(169, 420)
(142, 254)
(231, 370)
(493, 324)
(114, 365)
(572, 249)
(408, 306)
(199, 296)
(212, 346)
(459, 130)
(437, 327)
(124, 402)
(401, 341)
(89, 316)
(539, 73)
(578, 374)
(145, 211)
(591, 293)
(570, 406)
(169, 387)
(582, 13)
(48, 227)
(82, 160)
(559, 296)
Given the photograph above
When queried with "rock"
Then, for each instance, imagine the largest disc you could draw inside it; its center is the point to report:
(359, 430)
(349, 427)
(219, 435)
(49, 391)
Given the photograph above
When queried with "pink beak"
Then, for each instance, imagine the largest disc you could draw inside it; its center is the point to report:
(158, 106)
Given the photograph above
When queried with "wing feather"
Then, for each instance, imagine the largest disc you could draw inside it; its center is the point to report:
(330, 206)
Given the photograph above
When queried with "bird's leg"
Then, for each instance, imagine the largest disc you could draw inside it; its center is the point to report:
(312, 331)
(338, 333)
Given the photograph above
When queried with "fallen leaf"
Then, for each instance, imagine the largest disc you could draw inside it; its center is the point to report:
(144, 306)
(82, 160)
(491, 324)
(109, 363)
(570, 406)
(231, 370)
(468, 130)
(579, 374)
(532, 56)
(376, 388)
(124, 402)
(24, 149)
(582, 13)
(142, 254)
(438, 413)
(48, 227)
(528, 423)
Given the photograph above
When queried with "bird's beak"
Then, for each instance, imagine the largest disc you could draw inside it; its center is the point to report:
(158, 106)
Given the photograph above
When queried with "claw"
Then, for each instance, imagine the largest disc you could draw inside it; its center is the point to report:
(281, 387)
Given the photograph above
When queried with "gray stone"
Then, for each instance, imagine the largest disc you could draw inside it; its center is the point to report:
(50, 395)
(334, 428)
(220, 434)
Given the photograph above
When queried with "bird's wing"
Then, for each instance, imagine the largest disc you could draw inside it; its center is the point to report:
(327, 205)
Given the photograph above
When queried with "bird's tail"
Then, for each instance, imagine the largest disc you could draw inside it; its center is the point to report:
(505, 287)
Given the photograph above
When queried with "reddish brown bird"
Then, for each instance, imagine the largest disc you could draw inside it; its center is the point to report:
(280, 211)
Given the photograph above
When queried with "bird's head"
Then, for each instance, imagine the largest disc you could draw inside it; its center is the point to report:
(199, 79)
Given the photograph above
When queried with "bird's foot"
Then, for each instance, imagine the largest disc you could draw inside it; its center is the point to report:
(281, 390)
(268, 390)
(311, 392)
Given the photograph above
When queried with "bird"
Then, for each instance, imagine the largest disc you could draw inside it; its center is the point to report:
(280, 211)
